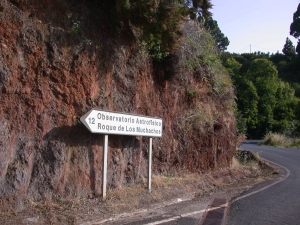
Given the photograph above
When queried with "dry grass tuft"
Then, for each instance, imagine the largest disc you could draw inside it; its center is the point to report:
(125, 198)
(276, 139)
(136, 197)
(58, 211)
(281, 140)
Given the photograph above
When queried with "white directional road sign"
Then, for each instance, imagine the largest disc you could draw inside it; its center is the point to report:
(106, 122)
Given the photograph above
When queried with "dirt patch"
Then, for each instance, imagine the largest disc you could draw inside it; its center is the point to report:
(227, 182)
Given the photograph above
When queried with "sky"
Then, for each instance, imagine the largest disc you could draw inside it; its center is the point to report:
(264, 25)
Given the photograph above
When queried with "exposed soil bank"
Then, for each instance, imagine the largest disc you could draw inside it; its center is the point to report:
(53, 70)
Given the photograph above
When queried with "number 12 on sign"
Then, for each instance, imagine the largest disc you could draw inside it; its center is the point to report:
(91, 120)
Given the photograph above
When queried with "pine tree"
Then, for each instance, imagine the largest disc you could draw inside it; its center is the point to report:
(288, 48)
(199, 8)
(221, 40)
(295, 28)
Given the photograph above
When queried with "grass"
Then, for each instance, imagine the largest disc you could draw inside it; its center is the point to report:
(163, 188)
(281, 140)
(137, 197)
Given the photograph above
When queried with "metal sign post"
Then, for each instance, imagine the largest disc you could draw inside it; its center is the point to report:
(104, 174)
(149, 164)
(106, 122)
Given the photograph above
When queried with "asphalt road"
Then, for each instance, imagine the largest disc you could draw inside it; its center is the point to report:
(279, 201)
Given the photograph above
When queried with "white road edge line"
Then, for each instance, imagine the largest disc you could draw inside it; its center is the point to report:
(177, 217)
(163, 221)
(95, 222)
(185, 215)
(268, 186)
(192, 213)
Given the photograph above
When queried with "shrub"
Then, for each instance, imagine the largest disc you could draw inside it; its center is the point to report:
(158, 20)
(275, 139)
(200, 56)
(245, 157)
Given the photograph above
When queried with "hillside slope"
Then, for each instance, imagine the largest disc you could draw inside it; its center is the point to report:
(56, 64)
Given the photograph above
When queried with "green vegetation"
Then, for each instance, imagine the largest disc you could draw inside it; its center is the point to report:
(289, 48)
(169, 33)
(201, 57)
(295, 28)
(75, 27)
(212, 25)
(266, 98)
(280, 140)
(191, 92)
(158, 21)
(268, 88)
(245, 157)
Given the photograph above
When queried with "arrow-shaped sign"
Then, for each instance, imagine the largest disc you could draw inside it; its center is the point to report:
(106, 122)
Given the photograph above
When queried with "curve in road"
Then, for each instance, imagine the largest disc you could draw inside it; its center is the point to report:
(271, 202)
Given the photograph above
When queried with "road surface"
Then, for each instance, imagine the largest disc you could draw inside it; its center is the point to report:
(273, 202)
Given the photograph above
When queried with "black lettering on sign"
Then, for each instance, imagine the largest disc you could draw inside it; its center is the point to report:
(91, 120)
(130, 129)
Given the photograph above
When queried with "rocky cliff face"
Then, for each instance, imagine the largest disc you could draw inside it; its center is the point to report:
(55, 65)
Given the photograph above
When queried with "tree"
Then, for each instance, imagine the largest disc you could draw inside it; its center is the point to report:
(158, 21)
(246, 96)
(199, 8)
(264, 76)
(284, 109)
(221, 40)
(295, 28)
(264, 101)
(233, 67)
(288, 48)
(247, 102)
(298, 47)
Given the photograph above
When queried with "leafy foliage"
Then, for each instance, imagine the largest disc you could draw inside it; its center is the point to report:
(199, 8)
(295, 28)
(288, 67)
(221, 40)
(245, 157)
(264, 77)
(158, 20)
(247, 101)
(284, 110)
(288, 48)
(265, 102)
(202, 58)
(233, 66)
(295, 25)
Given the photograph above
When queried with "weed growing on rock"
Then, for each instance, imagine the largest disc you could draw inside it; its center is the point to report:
(75, 27)
(200, 56)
